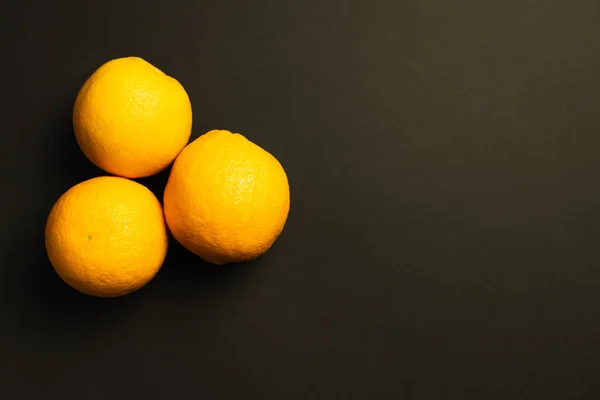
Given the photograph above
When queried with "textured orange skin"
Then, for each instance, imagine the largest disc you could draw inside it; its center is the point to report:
(130, 119)
(226, 199)
(106, 236)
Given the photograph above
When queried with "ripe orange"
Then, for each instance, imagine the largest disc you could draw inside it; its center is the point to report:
(106, 236)
(130, 119)
(227, 199)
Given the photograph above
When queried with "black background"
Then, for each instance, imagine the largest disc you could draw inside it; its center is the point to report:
(443, 235)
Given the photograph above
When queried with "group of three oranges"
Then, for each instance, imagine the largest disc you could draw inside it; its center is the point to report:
(226, 199)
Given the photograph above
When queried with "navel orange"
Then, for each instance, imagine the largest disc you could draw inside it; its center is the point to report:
(227, 199)
(130, 119)
(106, 236)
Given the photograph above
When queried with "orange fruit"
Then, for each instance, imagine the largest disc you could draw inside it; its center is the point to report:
(227, 199)
(130, 119)
(106, 236)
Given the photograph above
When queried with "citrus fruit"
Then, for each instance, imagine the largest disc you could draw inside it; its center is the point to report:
(226, 199)
(130, 119)
(106, 236)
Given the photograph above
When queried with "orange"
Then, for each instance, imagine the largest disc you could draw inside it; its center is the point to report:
(227, 199)
(106, 236)
(130, 119)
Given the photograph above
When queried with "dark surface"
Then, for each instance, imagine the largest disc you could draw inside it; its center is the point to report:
(443, 235)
